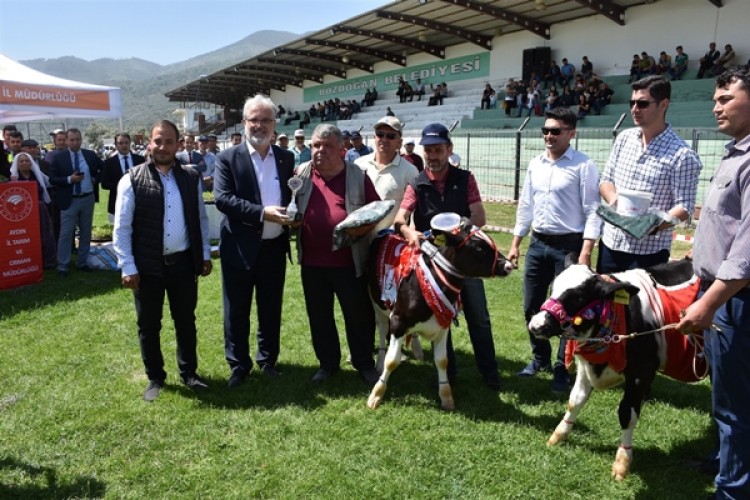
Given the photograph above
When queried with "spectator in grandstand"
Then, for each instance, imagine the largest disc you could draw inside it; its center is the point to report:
(708, 60)
(552, 74)
(648, 64)
(664, 64)
(306, 119)
(635, 69)
(567, 72)
(401, 92)
(280, 112)
(568, 98)
(587, 68)
(680, 64)
(603, 98)
(552, 101)
(509, 101)
(438, 94)
(579, 85)
(419, 89)
(487, 94)
(408, 92)
(290, 117)
(389, 112)
(725, 61)
(366, 99)
(584, 106)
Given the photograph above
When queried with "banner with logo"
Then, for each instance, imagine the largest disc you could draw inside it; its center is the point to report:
(448, 70)
(20, 236)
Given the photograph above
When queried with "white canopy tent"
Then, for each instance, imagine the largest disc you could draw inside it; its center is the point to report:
(27, 95)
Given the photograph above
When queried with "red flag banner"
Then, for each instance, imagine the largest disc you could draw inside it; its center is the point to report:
(20, 238)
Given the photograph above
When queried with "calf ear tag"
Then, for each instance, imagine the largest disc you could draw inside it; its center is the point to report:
(622, 297)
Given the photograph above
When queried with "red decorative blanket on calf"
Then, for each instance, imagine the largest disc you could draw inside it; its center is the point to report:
(396, 260)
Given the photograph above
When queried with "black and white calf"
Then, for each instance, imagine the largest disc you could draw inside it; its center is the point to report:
(616, 324)
(417, 291)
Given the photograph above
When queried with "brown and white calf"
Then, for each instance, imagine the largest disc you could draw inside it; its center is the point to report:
(417, 291)
(615, 323)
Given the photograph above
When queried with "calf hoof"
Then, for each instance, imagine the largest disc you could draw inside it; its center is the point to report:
(555, 439)
(376, 395)
(448, 404)
(621, 466)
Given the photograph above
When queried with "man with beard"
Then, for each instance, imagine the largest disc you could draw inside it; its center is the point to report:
(559, 200)
(439, 188)
(250, 187)
(161, 241)
(333, 188)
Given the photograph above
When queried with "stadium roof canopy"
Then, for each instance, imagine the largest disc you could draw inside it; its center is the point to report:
(392, 33)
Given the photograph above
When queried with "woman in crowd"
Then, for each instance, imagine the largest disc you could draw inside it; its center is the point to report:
(584, 107)
(24, 168)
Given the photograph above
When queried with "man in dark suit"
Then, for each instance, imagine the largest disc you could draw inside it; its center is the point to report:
(116, 166)
(250, 187)
(75, 173)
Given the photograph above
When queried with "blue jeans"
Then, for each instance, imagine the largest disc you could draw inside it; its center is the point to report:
(80, 213)
(480, 330)
(543, 263)
(729, 350)
(614, 261)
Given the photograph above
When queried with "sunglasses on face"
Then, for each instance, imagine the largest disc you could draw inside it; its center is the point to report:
(640, 103)
(553, 131)
(389, 135)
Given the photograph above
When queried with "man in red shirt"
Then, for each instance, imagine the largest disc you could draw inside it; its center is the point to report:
(332, 188)
(411, 156)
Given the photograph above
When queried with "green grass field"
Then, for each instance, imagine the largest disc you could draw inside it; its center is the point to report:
(73, 424)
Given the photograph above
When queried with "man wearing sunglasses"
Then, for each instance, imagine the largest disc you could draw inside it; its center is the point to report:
(558, 207)
(439, 188)
(387, 169)
(649, 158)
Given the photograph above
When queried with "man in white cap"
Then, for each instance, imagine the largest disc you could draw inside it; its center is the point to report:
(411, 156)
(301, 152)
(388, 171)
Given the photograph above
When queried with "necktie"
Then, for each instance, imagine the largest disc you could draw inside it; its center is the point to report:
(125, 166)
(76, 168)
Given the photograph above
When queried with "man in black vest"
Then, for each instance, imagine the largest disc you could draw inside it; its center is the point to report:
(161, 241)
(440, 188)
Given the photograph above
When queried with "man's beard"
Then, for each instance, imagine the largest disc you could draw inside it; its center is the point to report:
(256, 141)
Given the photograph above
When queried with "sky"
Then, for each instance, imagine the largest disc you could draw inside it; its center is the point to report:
(160, 31)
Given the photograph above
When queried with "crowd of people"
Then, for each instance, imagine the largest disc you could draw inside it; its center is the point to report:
(557, 87)
(161, 236)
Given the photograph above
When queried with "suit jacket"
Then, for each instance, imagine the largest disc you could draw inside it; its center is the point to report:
(62, 167)
(111, 174)
(237, 195)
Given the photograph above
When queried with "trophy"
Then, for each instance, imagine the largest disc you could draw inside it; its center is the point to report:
(295, 184)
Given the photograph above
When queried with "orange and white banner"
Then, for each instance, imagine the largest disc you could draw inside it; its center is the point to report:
(28, 94)
(20, 238)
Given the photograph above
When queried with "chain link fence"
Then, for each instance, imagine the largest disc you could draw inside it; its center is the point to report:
(499, 158)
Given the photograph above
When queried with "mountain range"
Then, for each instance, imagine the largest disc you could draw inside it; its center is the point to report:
(144, 83)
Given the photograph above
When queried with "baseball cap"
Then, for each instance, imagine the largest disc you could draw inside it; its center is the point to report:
(57, 131)
(299, 133)
(29, 143)
(203, 138)
(409, 141)
(435, 133)
(356, 135)
(282, 136)
(345, 133)
(389, 121)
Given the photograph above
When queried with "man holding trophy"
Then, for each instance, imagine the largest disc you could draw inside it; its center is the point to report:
(252, 189)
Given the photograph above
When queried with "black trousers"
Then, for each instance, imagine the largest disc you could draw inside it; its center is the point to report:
(320, 285)
(266, 278)
(180, 283)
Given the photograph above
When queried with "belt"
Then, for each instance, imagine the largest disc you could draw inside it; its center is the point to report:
(83, 195)
(558, 239)
(173, 258)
